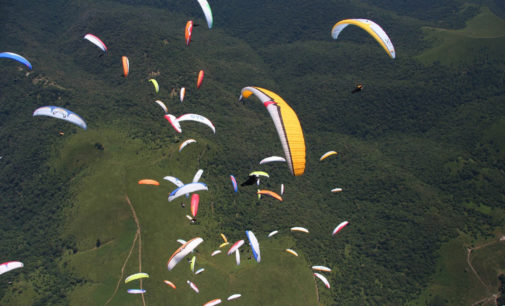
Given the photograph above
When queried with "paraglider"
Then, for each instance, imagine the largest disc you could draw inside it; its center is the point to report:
(162, 105)
(192, 263)
(292, 252)
(169, 283)
(372, 28)
(136, 291)
(173, 121)
(156, 86)
(149, 182)
(197, 118)
(136, 276)
(182, 94)
(234, 296)
(200, 79)
(234, 183)
(215, 301)
(339, 227)
(327, 154)
(195, 199)
(185, 143)
(321, 268)
(197, 176)
(126, 66)
(255, 246)
(199, 271)
(188, 32)
(207, 12)
(223, 244)
(188, 117)
(193, 286)
(181, 241)
(272, 234)
(177, 182)
(237, 257)
(16, 57)
(259, 173)
(282, 189)
(60, 113)
(357, 89)
(215, 252)
(235, 246)
(272, 159)
(323, 279)
(181, 252)
(9, 266)
(270, 193)
(96, 41)
(287, 125)
(336, 190)
(186, 189)
(224, 237)
(299, 229)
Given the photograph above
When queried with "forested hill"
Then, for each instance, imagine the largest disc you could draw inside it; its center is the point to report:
(420, 158)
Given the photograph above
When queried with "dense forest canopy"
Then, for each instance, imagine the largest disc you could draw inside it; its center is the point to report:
(421, 148)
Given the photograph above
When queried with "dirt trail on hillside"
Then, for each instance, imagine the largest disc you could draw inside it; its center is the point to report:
(493, 297)
(137, 237)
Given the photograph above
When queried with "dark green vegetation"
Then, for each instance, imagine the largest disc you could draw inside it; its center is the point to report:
(421, 150)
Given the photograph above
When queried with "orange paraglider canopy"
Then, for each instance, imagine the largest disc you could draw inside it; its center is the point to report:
(270, 193)
(149, 182)
(126, 66)
(200, 79)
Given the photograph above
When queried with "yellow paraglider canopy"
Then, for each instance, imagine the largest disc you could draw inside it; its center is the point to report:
(287, 125)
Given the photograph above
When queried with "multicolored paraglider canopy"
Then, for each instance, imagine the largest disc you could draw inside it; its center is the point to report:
(287, 125)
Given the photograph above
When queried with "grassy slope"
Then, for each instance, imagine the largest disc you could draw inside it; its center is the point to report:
(101, 209)
(485, 33)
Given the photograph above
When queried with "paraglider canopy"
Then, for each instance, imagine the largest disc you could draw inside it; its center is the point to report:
(149, 182)
(270, 193)
(255, 246)
(126, 66)
(155, 84)
(207, 12)
(323, 279)
(327, 154)
(234, 183)
(185, 143)
(60, 113)
(186, 189)
(200, 79)
(16, 57)
(10, 265)
(96, 41)
(181, 252)
(372, 28)
(169, 283)
(136, 276)
(188, 31)
(287, 125)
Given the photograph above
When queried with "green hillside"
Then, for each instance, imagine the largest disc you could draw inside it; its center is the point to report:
(420, 153)
(482, 38)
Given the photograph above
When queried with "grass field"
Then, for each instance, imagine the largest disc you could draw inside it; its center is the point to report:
(483, 37)
(101, 209)
(455, 283)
